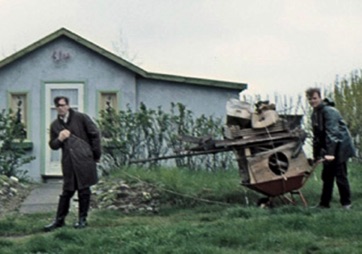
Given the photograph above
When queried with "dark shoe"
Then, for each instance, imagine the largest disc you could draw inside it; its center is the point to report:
(84, 202)
(347, 207)
(58, 223)
(82, 223)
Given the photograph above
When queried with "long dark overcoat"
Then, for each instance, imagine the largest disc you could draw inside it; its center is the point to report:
(330, 134)
(79, 152)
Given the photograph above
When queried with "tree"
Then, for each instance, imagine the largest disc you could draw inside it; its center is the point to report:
(121, 48)
(348, 100)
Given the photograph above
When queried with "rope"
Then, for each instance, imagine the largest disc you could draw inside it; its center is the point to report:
(276, 156)
(177, 193)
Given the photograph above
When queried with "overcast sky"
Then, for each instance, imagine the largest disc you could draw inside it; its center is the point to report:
(275, 46)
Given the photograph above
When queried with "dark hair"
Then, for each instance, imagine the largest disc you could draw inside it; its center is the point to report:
(310, 91)
(58, 98)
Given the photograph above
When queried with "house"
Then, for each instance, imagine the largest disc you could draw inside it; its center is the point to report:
(63, 63)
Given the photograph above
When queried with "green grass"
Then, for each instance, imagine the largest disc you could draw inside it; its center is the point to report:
(193, 225)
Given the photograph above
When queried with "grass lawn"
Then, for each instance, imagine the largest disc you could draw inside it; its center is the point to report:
(230, 223)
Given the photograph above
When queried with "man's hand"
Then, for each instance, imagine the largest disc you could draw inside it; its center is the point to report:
(329, 157)
(63, 135)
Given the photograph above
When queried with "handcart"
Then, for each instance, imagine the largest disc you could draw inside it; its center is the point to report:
(271, 159)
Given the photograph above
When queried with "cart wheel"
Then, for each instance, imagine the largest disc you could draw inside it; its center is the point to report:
(265, 203)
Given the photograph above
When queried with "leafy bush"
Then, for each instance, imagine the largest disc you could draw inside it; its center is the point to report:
(12, 155)
(151, 133)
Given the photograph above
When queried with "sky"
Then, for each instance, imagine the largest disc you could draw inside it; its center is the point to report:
(277, 47)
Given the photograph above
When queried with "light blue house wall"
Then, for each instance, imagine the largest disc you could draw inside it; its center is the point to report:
(64, 57)
(31, 72)
(84, 66)
(201, 100)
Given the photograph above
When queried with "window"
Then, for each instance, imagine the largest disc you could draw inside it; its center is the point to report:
(18, 106)
(108, 105)
(108, 100)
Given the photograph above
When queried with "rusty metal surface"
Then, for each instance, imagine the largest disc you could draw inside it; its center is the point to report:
(278, 187)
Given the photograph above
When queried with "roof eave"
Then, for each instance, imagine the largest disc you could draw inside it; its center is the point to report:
(198, 81)
(113, 57)
(80, 40)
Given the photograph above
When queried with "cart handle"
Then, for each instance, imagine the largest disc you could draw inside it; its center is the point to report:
(314, 166)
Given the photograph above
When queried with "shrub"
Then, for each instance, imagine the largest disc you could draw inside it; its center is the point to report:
(12, 154)
(151, 133)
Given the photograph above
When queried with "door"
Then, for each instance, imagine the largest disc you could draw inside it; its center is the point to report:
(75, 94)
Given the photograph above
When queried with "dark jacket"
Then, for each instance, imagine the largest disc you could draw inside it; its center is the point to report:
(330, 134)
(79, 152)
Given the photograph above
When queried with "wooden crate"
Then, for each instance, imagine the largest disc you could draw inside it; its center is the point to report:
(263, 167)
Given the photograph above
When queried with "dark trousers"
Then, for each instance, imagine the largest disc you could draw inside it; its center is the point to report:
(335, 170)
(81, 193)
(64, 203)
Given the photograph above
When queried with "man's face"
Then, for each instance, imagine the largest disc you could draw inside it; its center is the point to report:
(62, 107)
(314, 100)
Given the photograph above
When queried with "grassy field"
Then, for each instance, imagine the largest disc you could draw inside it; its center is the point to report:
(202, 213)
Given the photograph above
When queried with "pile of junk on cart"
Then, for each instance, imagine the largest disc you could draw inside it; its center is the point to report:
(268, 148)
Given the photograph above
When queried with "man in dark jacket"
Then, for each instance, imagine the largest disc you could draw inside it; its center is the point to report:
(79, 138)
(332, 143)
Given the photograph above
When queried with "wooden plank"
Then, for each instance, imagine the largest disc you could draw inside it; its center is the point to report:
(196, 140)
(234, 131)
(186, 153)
(255, 141)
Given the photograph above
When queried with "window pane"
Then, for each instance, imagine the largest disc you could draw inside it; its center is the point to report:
(18, 106)
(108, 100)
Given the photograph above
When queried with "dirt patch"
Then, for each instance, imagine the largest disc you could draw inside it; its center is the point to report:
(12, 194)
(115, 194)
(126, 197)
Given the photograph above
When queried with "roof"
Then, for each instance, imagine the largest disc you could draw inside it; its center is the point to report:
(111, 56)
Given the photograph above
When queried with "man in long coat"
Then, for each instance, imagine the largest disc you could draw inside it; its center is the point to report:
(332, 143)
(79, 138)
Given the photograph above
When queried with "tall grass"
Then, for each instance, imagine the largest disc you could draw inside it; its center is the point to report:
(230, 225)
